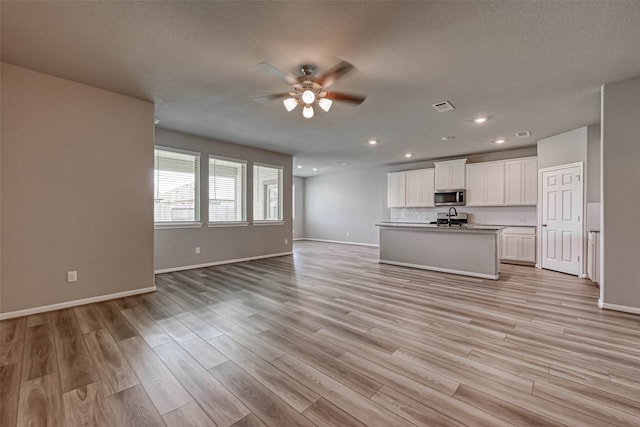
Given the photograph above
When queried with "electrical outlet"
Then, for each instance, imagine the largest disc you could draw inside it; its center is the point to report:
(72, 276)
(348, 234)
(197, 249)
(286, 241)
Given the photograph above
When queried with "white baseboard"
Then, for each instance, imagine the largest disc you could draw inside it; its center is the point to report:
(616, 307)
(442, 270)
(67, 304)
(340, 242)
(212, 264)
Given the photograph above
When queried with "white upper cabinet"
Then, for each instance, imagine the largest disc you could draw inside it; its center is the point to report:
(450, 175)
(521, 181)
(396, 185)
(420, 185)
(485, 184)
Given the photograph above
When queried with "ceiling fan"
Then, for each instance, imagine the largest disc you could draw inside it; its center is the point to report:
(309, 89)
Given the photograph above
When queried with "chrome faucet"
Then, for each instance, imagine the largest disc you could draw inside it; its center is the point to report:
(455, 213)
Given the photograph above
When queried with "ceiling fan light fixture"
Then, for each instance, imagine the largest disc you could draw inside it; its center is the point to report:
(308, 97)
(307, 111)
(290, 103)
(325, 104)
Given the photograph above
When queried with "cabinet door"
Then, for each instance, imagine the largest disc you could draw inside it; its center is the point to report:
(414, 189)
(521, 182)
(450, 175)
(396, 190)
(513, 182)
(476, 184)
(426, 178)
(510, 246)
(420, 188)
(530, 181)
(527, 248)
(443, 176)
(457, 175)
(494, 184)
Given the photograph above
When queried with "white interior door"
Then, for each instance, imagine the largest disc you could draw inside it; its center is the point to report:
(561, 219)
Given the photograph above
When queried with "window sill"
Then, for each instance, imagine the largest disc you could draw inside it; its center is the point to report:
(228, 224)
(276, 222)
(167, 225)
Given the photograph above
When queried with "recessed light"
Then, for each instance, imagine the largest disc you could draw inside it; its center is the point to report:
(373, 141)
(299, 167)
(500, 141)
(408, 155)
(448, 138)
(315, 169)
(341, 164)
(480, 120)
(156, 121)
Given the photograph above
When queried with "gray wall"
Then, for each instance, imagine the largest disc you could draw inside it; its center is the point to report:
(620, 273)
(564, 148)
(175, 248)
(77, 191)
(593, 163)
(349, 202)
(578, 145)
(298, 221)
(352, 202)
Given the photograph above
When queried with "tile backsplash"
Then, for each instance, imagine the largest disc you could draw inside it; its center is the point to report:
(489, 215)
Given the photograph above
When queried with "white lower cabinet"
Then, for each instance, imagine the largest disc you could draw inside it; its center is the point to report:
(518, 244)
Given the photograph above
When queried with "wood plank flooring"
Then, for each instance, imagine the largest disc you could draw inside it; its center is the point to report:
(328, 337)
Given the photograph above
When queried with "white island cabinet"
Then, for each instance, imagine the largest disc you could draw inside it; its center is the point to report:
(469, 251)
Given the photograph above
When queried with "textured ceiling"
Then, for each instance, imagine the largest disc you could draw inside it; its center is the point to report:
(534, 66)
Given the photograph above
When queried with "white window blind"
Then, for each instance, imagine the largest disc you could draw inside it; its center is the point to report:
(176, 184)
(227, 190)
(267, 193)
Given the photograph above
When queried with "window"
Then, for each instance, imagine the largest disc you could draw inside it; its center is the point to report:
(226, 190)
(176, 185)
(267, 193)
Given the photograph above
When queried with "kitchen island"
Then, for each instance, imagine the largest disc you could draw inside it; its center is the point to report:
(469, 250)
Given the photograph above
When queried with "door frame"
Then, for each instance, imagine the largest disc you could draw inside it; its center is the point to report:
(582, 180)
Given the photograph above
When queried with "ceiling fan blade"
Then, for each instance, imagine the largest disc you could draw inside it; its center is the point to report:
(265, 66)
(346, 97)
(334, 73)
(272, 97)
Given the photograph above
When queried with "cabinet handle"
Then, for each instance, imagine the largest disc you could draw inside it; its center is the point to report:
(544, 225)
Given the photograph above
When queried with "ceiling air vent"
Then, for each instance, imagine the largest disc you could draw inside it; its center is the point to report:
(443, 106)
(524, 134)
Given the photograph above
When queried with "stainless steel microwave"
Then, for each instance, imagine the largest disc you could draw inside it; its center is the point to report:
(450, 198)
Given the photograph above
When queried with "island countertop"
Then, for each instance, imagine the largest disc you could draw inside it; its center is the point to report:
(465, 227)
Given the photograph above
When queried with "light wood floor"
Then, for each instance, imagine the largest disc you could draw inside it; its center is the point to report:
(328, 337)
